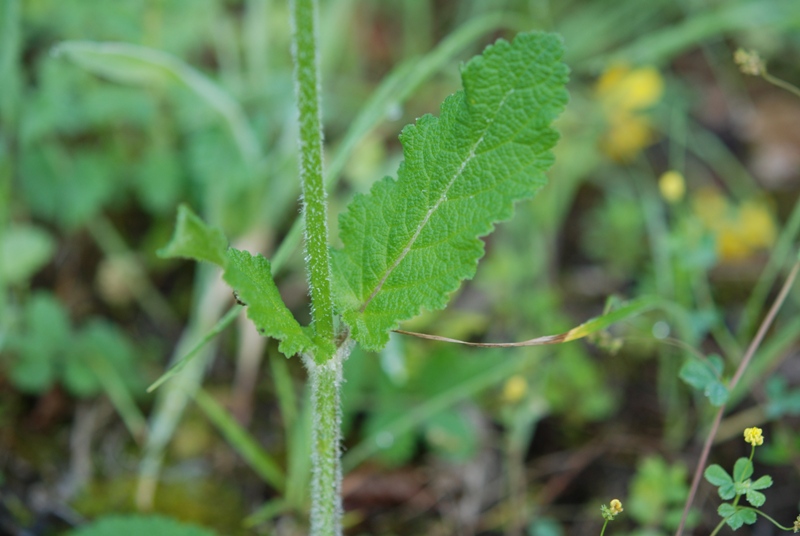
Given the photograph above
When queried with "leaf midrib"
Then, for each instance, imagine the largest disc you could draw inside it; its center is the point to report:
(407, 249)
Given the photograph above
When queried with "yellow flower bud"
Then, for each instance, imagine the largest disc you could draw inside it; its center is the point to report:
(615, 507)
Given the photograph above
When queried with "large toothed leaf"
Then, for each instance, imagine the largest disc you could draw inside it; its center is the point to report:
(251, 278)
(193, 239)
(410, 242)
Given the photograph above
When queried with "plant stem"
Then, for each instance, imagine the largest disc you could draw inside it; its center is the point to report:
(306, 78)
(768, 518)
(325, 366)
(717, 528)
(775, 81)
(603, 531)
(326, 477)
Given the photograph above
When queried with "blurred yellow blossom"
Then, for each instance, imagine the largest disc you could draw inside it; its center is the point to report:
(672, 186)
(514, 389)
(611, 511)
(625, 94)
(615, 507)
(796, 526)
(749, 62)
(753, 436)
(740, 230)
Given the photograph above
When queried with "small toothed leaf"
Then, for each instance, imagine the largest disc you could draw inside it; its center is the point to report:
(251, 278)
(410, 242)
(193, 239)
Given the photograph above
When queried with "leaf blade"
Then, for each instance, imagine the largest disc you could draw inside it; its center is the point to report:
(409, 243)
(251, 277)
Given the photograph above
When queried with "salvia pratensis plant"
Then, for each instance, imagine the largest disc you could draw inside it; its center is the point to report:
(409, 243)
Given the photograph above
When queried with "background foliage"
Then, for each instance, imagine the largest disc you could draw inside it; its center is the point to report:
(675, 176)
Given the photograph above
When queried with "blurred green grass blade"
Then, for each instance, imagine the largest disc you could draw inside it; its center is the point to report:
(298, 470)
(392, 91)
(179, 365)
(287, 399)
(658, 46)
(138, 65)
(208, 303)
(247, 447)
(120, 397)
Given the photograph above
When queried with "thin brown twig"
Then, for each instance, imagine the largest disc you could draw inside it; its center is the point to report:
(748, 356)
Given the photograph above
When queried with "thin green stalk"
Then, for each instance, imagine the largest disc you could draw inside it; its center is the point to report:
(768, 518)
(717, 528)
(306, 76)
(775, 81)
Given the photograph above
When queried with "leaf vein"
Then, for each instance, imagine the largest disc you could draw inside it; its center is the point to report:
(435, 207)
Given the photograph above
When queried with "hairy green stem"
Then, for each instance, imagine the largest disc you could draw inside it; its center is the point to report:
(325, 366)
(326, 477)
(306, 78)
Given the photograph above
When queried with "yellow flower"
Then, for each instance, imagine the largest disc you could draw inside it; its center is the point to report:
(739, 231)
(625, 94)
(612, 510)
(615, 507)
(622, 89)
(672, 186)
(514, 389)
(753, 436)
(796, 525)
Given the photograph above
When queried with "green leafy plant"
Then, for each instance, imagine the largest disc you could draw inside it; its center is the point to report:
(732, 487)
